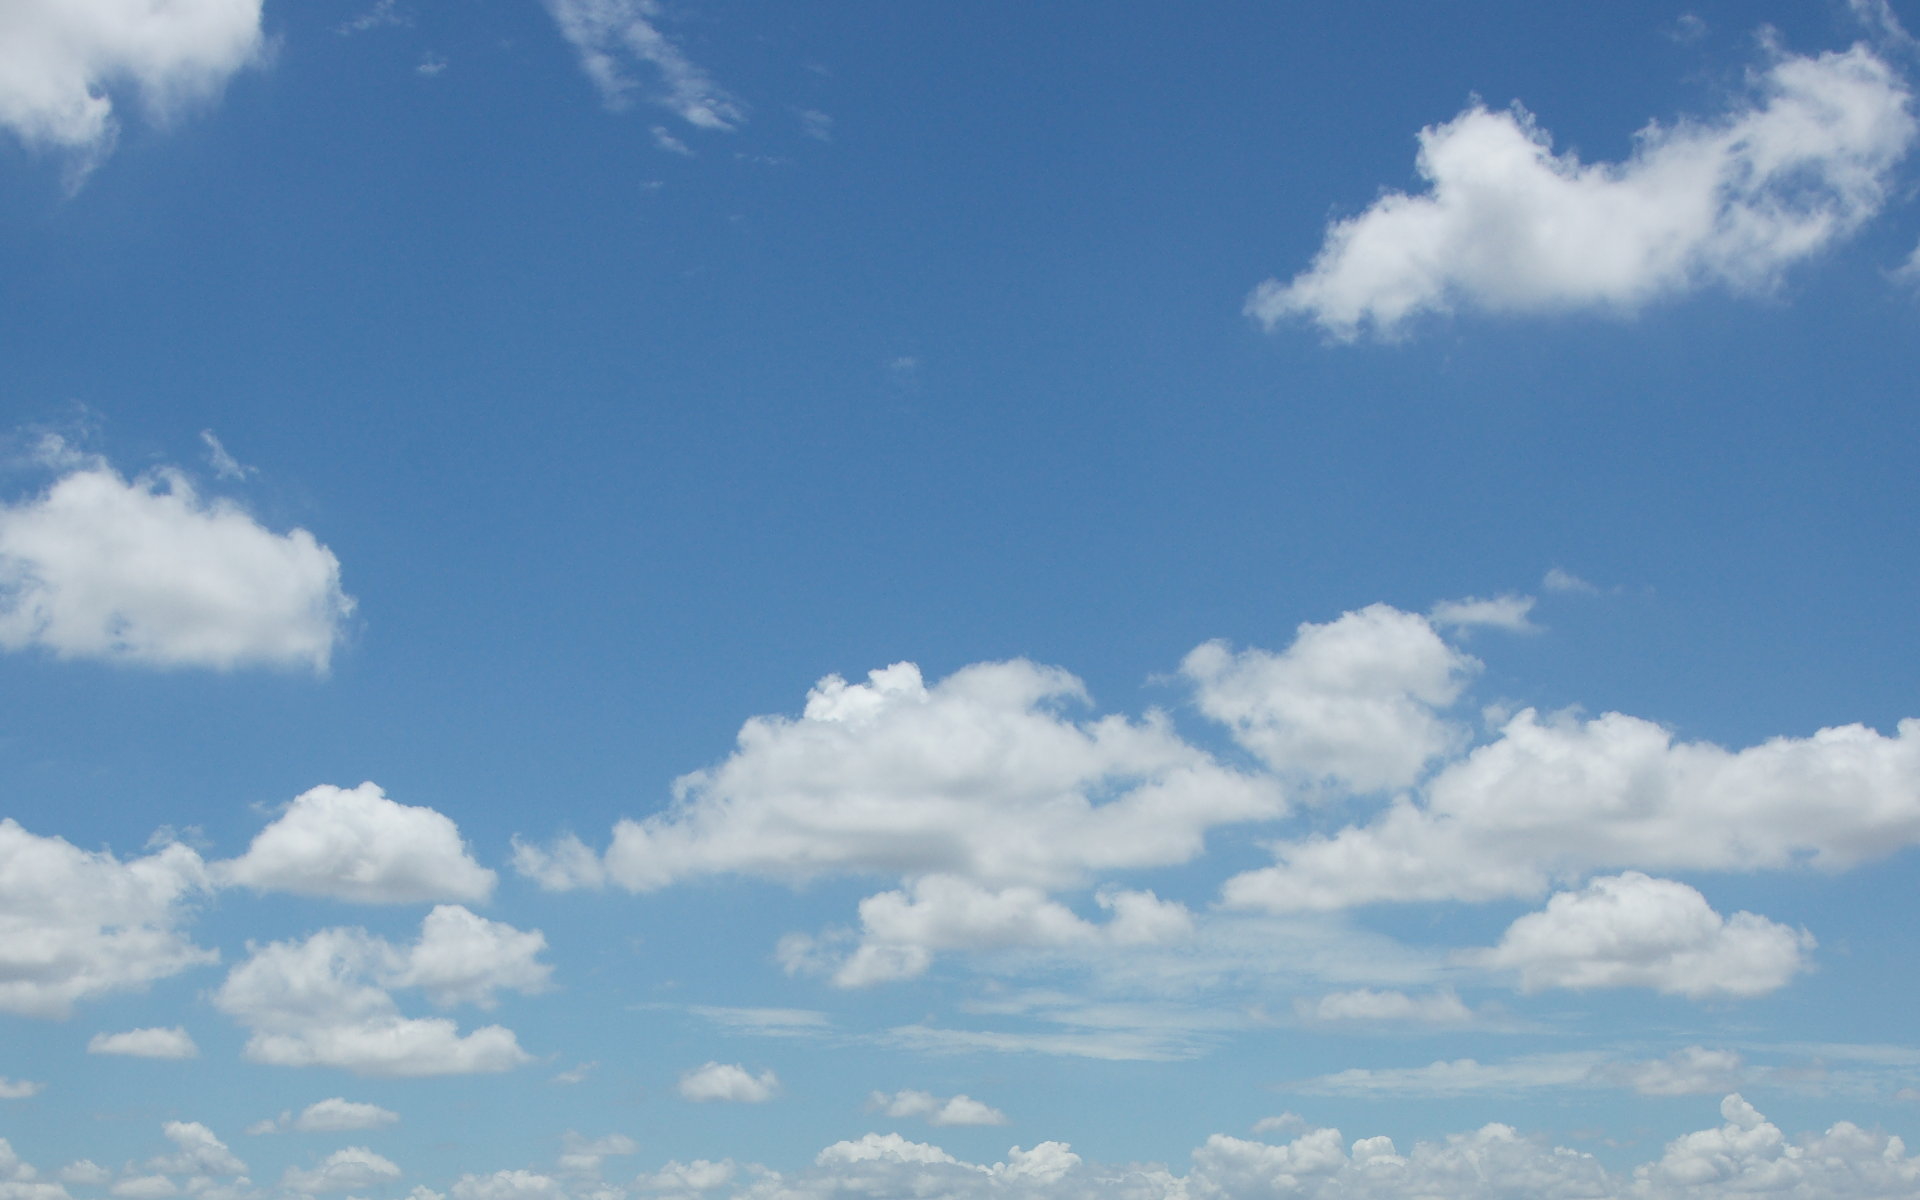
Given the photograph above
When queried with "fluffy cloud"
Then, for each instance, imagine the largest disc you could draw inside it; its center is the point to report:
(324, 1001)
(1634, 931)
(1356, 700)
(611, 35)
(1507, 225)
(147, 571)
(335, 1115)
(358, 845)
(1750, 1156)
(729, 1081)
(952, 1110)
(1441, 1007)
(354, 1168)
(19, 1089)
(1556, 798)
(508, 1185)
(979, 776)
(76, 923)
(196, 1152)
(62, 60)
(902, 930)
(145, 1043)
(1691, 1071)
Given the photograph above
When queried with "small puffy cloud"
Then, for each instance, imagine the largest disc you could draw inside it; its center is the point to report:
(979, 776)
(149, 572)
(611, 36)
(582, 1156)
(729, 1081)
(1630, 930)
(338, 1115)
(1692, 1071)
(358, 845)
(196, 1152)
(1556, 798)
(75, 923)
(1356, 700)
(508, 1185)
(1559, 579)
(145, 1043)
(1506, 225)
(700, 1175)
(324, 1000)
(353, 1168)
(19, 1089)
(85, 1173)
(1440, 1007)
(902, 930)
(1501, 612)
(64, 63)
(936, 1110)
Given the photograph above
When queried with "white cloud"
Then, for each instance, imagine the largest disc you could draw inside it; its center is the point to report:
(1559, 579)
(1630, 930)
(1440, 1007)
(19, 1089)
(338, 1115)
(978, 776)
(700, 1175)
(145, 1043)
(144, 1187)
(225, 465)
(1556, 798)
(323, 1001)
(950, 1110)
(1691, 1071)
(612, 35)
(358, 845)
(582, 1156)
(353, 1168)
(902, 930)
(85, 1172)
(1501, 612)
(196, 1152)
(1460, 1077)
(508, 1185)
(1749, 1156)
(149, 572)
(75, 923)
(64, 63)
(729, 1081)
(1508, 226)
(1356, 699)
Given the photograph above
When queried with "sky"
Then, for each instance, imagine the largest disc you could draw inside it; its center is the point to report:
(630, 599)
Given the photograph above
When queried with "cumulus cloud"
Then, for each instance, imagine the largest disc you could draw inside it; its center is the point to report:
(1555, 798)
(1357, 700)
(149, 572)
(979, 776)
(508, 1185)
(729, 1081)
(936, 1110)
(1690, 1071)
(334, 1115)
(611, 36)
(1748, 1155)
(324, 1000)
(75, 923)
(1630, 930)
(197, 1151)
(1506, 225)
(358, 845)
(64, 63)
(145, 1043)
(1442, 1007)
(353, 1168)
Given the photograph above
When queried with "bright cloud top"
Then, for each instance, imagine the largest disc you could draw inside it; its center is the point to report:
(149, 572)
(62, 61)
(729, 1081)
(327, 1000)
(1508, 226)
(611, 35)
(360, 846)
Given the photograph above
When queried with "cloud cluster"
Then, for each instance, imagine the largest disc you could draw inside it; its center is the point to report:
(62, 62)
(1507, 225)
(326, 1000)
(148, 571)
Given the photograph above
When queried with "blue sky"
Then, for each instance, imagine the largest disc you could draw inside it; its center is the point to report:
(604, 599)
